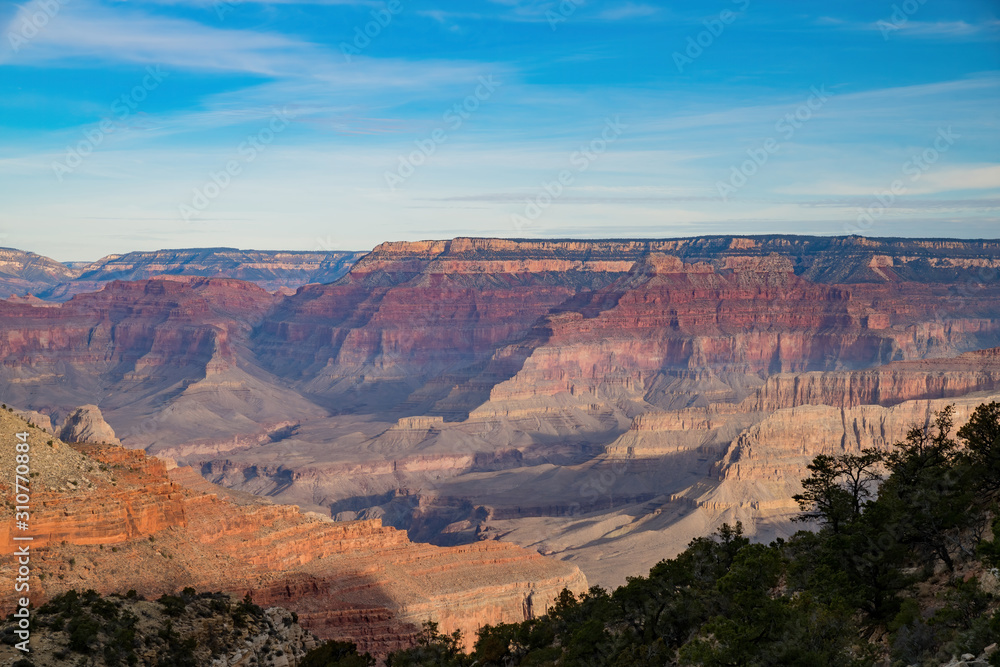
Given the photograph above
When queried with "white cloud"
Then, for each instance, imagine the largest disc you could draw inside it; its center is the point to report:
(91, 34)
(102, 35)
(936, 180)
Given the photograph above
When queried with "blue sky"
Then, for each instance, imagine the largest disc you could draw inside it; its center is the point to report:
(146, 124)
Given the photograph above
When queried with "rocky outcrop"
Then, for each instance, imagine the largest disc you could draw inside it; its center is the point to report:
(38, 419)
(112, 519)
(86, 424)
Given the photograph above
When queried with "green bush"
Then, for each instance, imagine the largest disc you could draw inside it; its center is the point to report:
(173, 605)
(337, 654)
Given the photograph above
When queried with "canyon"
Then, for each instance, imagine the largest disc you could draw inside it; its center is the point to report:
(598, 402)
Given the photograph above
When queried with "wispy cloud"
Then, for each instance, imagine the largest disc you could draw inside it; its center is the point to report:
(938, 180)
(903, 26)
(909, 204)
(521, 11)
(98, 34)
(450, 19)
(965, 177)
(941, 29)
(629, 10)
(88, 34)
(236, 3)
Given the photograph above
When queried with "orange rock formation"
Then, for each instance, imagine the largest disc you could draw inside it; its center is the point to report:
(112, 519)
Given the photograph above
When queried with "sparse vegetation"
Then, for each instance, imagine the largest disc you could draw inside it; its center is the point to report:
(184, 630)
(337, 654)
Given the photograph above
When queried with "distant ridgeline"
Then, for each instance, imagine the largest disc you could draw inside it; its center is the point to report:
(23, 273)
(852, 259)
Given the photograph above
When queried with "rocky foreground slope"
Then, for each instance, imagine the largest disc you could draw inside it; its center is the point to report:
(112, 519)
(603, 401)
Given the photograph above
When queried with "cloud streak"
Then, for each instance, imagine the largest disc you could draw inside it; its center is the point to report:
(629, 10)
(946, 30)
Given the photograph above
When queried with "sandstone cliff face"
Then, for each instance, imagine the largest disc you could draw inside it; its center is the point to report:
(773, 453)
(894, 383)
(112, 519)
(441, 327)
